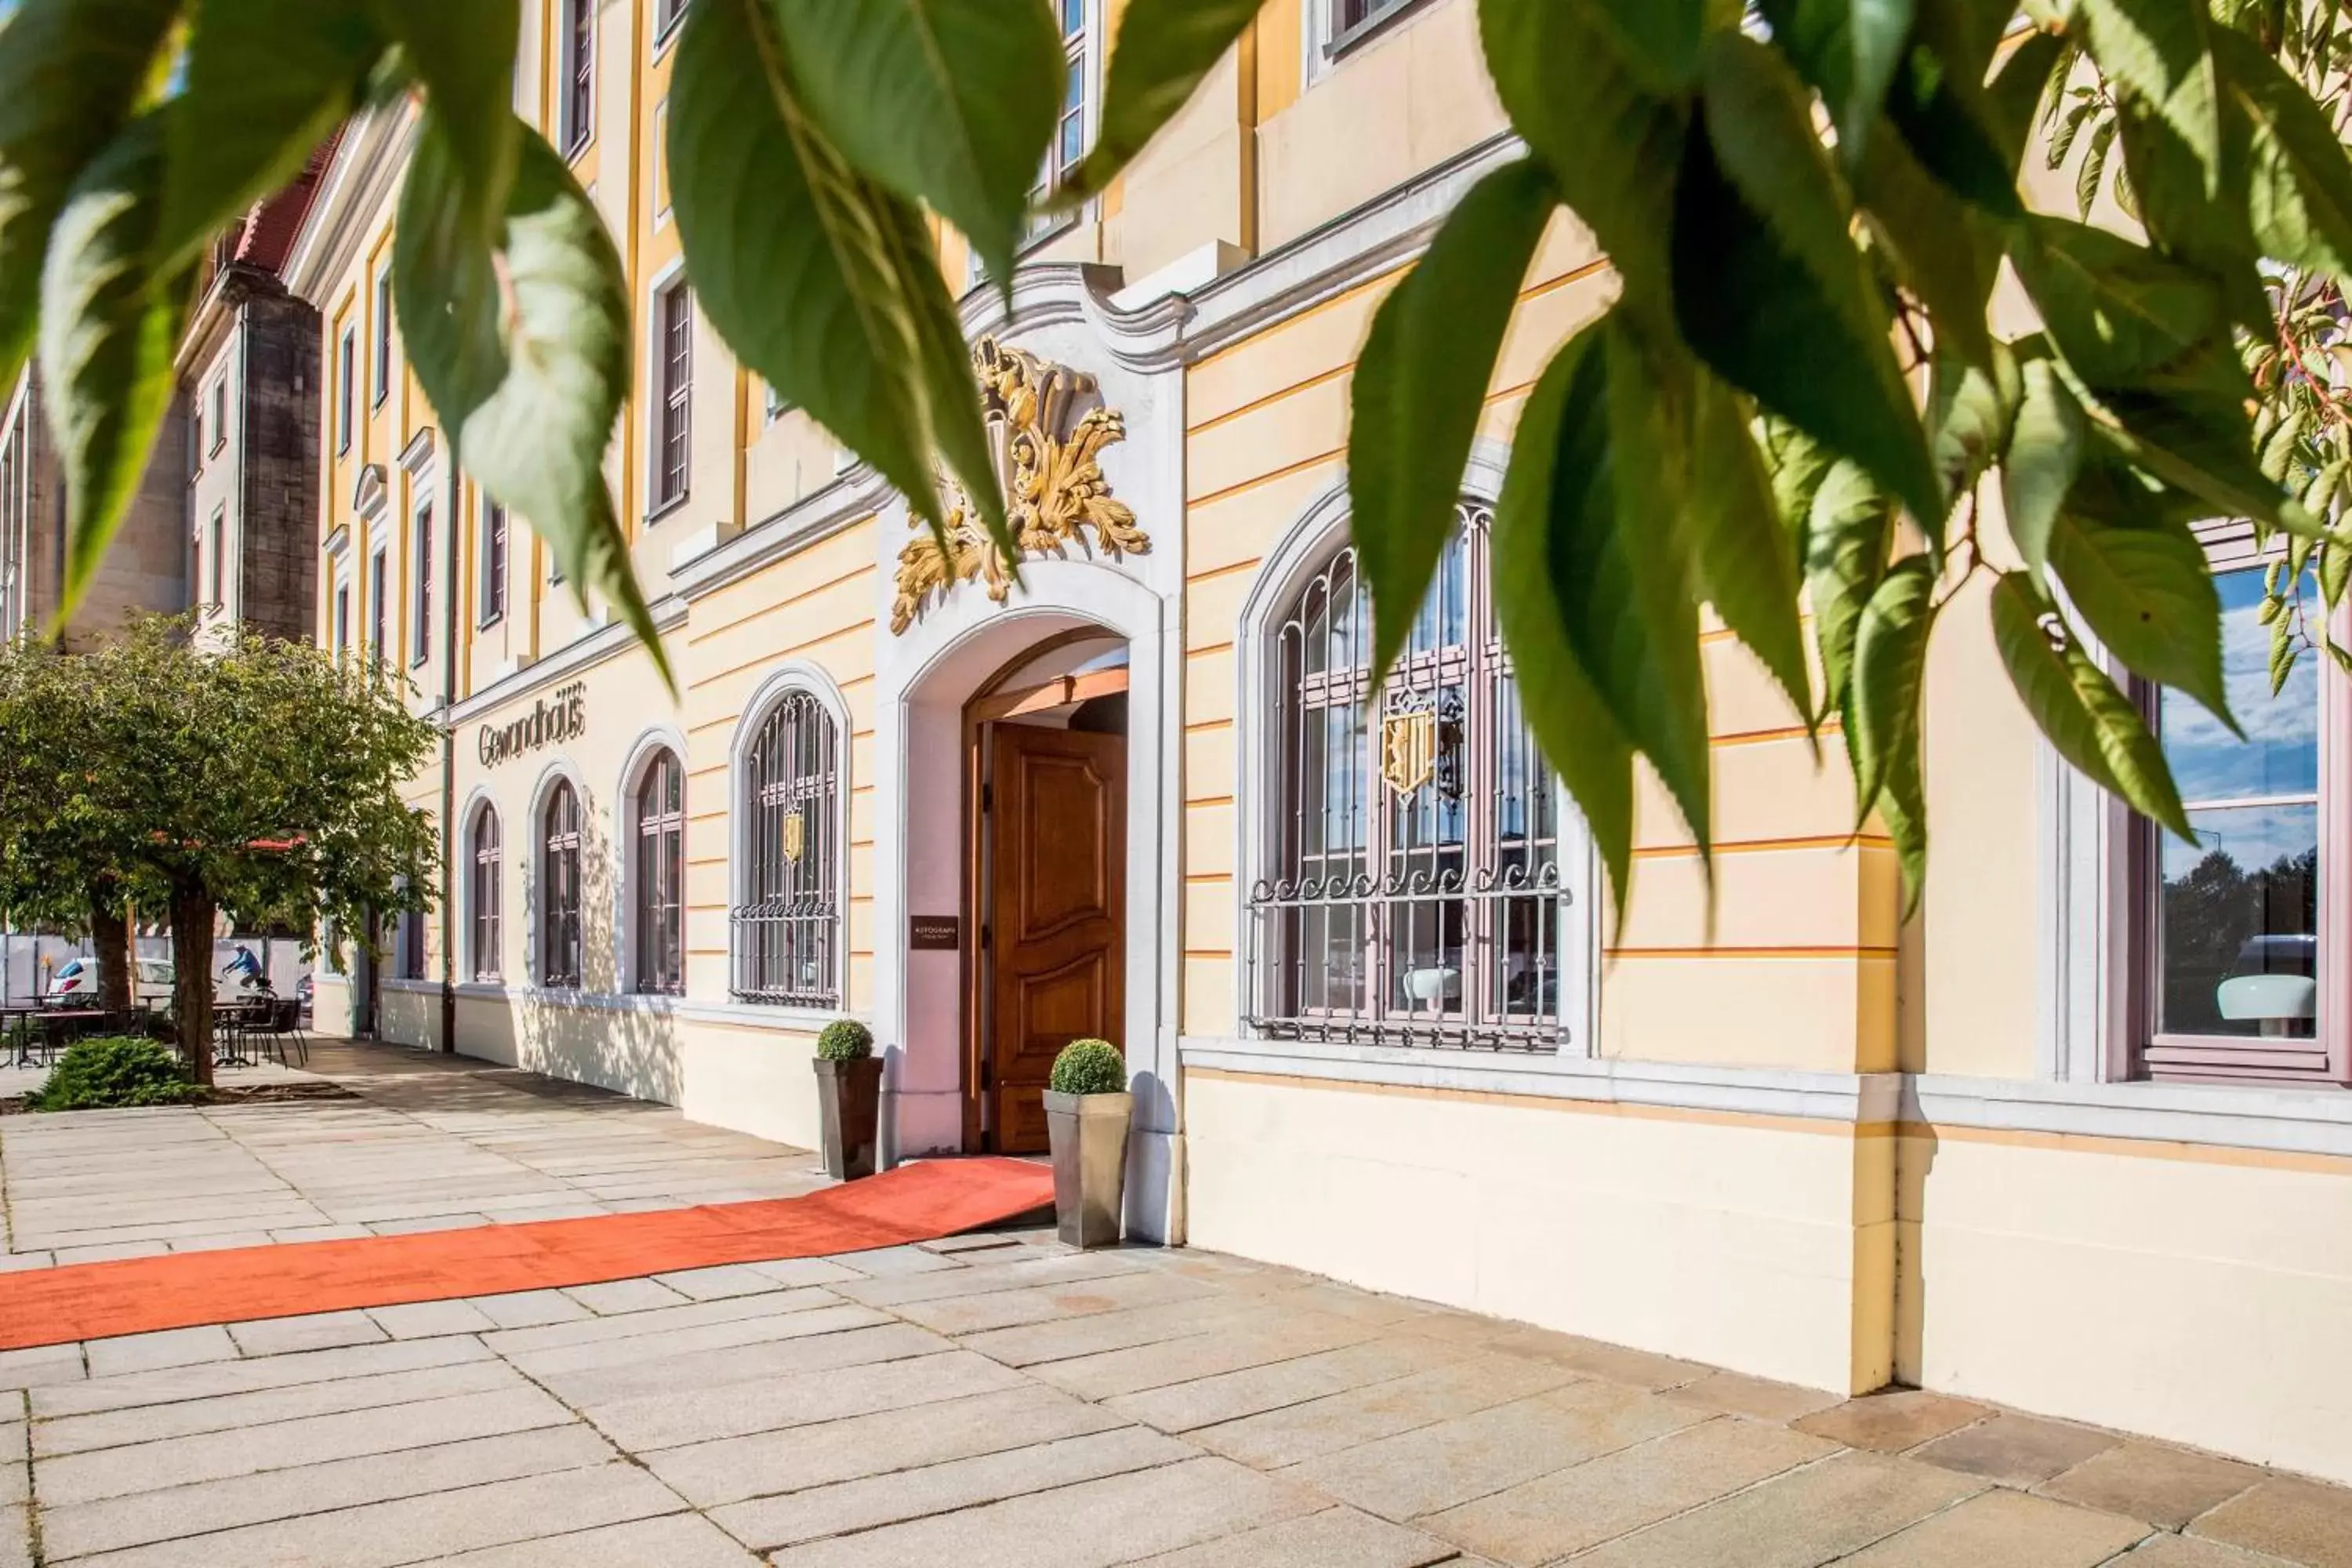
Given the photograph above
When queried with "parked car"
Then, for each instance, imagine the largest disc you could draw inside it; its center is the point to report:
(75, 983)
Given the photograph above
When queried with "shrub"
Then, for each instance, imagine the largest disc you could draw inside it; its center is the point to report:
(114, 1071)
(1090, 1067)
(845, 1040)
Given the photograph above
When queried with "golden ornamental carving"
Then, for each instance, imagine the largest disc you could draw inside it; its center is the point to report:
(1048, 427)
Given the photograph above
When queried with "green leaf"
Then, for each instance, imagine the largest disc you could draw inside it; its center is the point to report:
(1795, 465)
(1890, 668)
(950, 102)
(1903, 807)
(2156, 51)
(464, 53)
(2299, 184)
(2145, 589)
(1165, 49)
(2147, 340)
(1969, 413)
(110, 326)
(70, 73)
(1942, 116)
(815, 274)
(265, 81)
(1572, 90)
(2093, 725)
(1420, 386)
(1579, 736)
(1743, 560)
(1849, 50)
(1617, 558)
(1847, 539)
(1768, 287)
(2093, 172)
(2334, 572)
(1948, 254)
(530, 387)
(2045, 452)
(2165, 183)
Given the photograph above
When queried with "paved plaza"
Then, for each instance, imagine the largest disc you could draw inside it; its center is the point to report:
(984, 1402)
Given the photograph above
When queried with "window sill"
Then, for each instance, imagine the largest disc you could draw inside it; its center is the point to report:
(487, 622)
(573, 154)
(667, 34)
(1344, 44)
(1757, 1091)
(2271, 1117)
(661, 510)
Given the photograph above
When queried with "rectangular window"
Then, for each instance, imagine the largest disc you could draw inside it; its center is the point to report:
(342, 618)
(220, 413)
(661, 162)
(379, 606)
(1353, 20)
(2230, 931)
(196, 439)
(217, 552)
(346, 353)
(412, 945)
(667, 15)
(421, 635)
(382, 335)
(1069, 145)
(494, 561)
(579, 75)
(674, 310)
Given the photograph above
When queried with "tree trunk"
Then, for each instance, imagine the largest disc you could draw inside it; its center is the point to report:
(192, 981)
(110, 930)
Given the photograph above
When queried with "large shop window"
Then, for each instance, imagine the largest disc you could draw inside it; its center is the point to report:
(2229, 934)
(658, 886)
(1411, 891)
(786, 934)
(482, 894)
(559, 880)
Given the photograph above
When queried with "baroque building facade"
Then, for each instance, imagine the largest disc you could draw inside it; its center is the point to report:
(2036, 1144)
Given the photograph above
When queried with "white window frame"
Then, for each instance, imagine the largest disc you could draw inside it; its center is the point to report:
(623, 829)
(479, 808)
(492, 520)
(666, 283)
(215, 564)
(535, 912)
(575, 140)
(1324, 45)
(1304, 551)
(219, 410)
(791, 676)
(421, 522)
(380, 371)
(347, 349)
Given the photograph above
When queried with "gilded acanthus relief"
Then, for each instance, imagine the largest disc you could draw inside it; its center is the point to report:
(1047, 455)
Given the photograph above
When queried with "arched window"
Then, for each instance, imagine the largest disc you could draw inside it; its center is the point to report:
(786, 932)
(1410, 891)
(659, 808)
(483, 894)
(559, 881)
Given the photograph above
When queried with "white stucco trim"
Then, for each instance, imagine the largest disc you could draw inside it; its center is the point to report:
(606, 642)
(623, 841)
(786, 677)
(2242, 1116)
(1302, 549)
(1852, 1098)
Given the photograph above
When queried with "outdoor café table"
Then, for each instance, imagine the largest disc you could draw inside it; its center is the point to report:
(232, 1021)
(16, 1029)
(54, 1025)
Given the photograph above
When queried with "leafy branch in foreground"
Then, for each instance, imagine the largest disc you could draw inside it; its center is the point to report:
(1798, 411)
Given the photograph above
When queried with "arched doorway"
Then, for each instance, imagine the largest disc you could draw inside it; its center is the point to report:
(1046, 755)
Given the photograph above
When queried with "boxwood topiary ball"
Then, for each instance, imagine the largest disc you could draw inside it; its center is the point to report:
(1090, 1067)
(845, 1040)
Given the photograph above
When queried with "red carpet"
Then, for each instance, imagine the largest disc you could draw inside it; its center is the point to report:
(134, 1296)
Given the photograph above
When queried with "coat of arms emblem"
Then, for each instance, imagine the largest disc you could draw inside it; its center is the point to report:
(792, 838)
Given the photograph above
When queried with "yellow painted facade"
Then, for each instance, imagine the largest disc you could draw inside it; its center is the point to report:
(1784, 1132)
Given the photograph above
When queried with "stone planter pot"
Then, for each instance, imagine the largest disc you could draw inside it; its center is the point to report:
(848, 1102)
(1089, 1134)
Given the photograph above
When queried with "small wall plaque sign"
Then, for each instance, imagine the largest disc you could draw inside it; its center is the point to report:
(934, 933)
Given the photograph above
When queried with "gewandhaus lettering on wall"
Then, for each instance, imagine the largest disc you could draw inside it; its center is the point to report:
(2083, 1118)
(551, 721)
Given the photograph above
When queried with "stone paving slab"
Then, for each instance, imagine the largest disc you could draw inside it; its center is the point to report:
(982, 1402)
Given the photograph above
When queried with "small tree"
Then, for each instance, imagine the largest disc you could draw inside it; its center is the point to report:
(257, 776)
(70, 858)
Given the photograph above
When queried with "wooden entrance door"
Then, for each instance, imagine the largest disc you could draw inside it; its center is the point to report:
(1056, 912)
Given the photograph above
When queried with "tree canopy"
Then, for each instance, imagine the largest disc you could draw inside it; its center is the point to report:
(1799, 398)
(251, 775)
